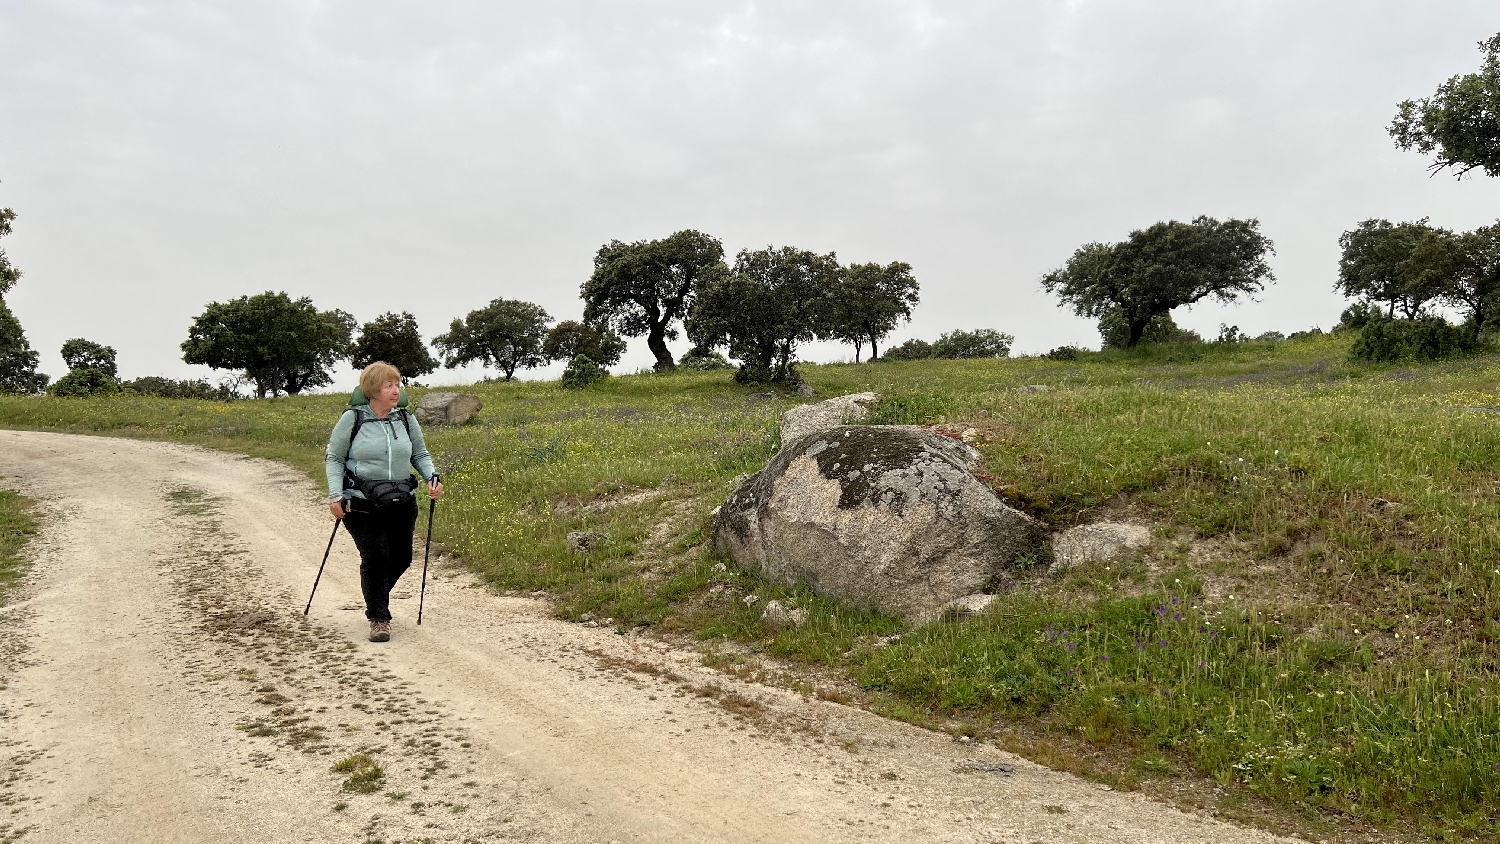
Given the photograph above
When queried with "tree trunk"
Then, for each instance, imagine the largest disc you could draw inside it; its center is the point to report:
(874, 352)
(656, 341)
(858, 344)
(1137, 331)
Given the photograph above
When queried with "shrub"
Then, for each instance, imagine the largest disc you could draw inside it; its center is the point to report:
(167, 388)
(581, 372)
(1386, 340)
(704, 360)
(1115, 331)
(984, 343)
(912, 349)
(84, 382)
(1231, 334)
(1064, 353)
(1303, 335)
(1357, 315)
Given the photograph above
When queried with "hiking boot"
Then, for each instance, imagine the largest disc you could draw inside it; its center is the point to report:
(380, 631)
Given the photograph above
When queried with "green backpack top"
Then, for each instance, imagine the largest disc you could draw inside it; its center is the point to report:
(357, 398)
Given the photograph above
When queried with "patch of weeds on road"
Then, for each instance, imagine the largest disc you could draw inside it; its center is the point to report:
(365, 776)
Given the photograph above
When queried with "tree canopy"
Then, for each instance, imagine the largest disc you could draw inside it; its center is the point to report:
(644, 287)
(982, 343)
(281, 344)
(393, 338)
(9, 275)
(506, 334)
(18, 360)
(1460, 123)
(770, 302)
(91, 370)
(1404, 265)
(868, 303)
(1162, 267)
(1476, 275)
(79, 353)
(570, 338)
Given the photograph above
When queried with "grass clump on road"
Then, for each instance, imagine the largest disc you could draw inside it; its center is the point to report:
(365, 776)
(1313, 624)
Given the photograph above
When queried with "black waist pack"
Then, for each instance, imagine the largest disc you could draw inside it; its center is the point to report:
(385, 493)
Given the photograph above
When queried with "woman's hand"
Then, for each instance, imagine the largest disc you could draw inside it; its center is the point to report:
(435, 489)
(337, 508)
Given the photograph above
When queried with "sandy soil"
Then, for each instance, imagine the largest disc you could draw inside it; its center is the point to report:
(158, 682)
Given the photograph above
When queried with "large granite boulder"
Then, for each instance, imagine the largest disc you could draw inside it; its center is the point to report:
(813, 418)
(886, 517)
(447, 408)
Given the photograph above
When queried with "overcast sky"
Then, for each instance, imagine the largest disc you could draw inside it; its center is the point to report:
(429, 157)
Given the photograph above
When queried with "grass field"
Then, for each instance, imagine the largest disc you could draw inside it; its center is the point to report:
(1313, 627)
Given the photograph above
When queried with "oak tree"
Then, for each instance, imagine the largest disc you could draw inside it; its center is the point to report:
(506, 334)
(1460, 123)
(393, 338)
(1162, 267)
(281, 344)
(645, 287)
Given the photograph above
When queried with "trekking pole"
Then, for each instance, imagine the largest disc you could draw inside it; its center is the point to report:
(324, 563)
(431, 505)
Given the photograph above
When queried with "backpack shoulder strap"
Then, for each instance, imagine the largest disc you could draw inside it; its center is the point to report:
(406, 422)
(359, 419)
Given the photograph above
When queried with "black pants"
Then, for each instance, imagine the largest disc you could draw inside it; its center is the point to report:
(383, 538)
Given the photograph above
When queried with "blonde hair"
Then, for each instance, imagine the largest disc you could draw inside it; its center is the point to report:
(374, 377)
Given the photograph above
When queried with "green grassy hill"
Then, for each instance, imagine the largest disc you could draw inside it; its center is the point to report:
(1313, 627)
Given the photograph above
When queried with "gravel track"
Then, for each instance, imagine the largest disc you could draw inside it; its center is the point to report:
(159, 683)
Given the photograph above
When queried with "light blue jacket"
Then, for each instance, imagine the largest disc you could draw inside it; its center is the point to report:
(383, 451)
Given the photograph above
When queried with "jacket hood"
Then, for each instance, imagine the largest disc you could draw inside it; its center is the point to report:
(357, 398)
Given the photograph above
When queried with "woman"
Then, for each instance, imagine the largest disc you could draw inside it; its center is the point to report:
(371, 453)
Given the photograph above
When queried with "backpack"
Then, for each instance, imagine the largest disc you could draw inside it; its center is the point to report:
(378, 493)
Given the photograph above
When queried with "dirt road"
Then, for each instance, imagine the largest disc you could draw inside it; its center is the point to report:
(158, 683)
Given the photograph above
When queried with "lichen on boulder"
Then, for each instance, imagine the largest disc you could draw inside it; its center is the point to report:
(883, 517)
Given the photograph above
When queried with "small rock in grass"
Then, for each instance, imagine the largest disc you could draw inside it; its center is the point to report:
(1102, 542)
(825, 415)
(762, 396)
(1034, 388)
(581, 541)
(971, 604)
(780, 615)
(720, 568)
(669, 479)
(751, 600)
(805, 389)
